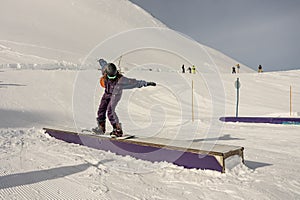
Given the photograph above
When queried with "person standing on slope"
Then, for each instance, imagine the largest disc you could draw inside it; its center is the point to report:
(238, 68)
(194, 69)
(233, 70)
(114, 83)
(260, 70)
(190, 70)
(183, 69)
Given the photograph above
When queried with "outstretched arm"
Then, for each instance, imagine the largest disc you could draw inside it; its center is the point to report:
(128, 83)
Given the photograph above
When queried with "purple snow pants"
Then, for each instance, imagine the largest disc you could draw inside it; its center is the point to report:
(109, 103)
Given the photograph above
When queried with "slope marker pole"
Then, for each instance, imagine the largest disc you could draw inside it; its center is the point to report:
(237, 86)
(192, 100)
(290, 100)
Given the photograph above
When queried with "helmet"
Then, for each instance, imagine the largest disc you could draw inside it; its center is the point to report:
(111, 71)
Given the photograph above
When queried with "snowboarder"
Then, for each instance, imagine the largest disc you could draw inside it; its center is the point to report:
(114, 83)
(183, 69)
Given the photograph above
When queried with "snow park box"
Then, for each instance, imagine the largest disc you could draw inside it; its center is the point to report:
(189, 154)
(269, 120)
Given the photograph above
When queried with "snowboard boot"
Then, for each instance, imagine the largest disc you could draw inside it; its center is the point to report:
(117, 130)
(100, 129)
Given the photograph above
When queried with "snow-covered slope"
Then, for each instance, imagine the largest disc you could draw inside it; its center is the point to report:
(65, 32)
(34, 166)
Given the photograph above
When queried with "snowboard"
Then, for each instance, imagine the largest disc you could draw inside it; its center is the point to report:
(91, 132)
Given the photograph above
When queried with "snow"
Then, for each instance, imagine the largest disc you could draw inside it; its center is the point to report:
(34, 165)
(63, 30)
(44, 82)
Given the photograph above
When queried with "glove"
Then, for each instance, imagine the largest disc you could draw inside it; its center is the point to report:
(151, 84)
(102, 62)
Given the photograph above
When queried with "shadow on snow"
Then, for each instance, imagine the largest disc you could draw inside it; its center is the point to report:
(6, 85)
(254, 165)
(19, 118)
(224, 137)
(27, 178)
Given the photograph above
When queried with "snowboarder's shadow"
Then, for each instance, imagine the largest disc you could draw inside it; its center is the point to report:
(224, 137)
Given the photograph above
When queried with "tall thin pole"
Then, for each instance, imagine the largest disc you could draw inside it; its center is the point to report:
(192, 100)
(237, 97)
(290, 100)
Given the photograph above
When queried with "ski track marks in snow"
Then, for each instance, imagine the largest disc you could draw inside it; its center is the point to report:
(39, 172)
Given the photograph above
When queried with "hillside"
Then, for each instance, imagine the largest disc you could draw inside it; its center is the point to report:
(65, 32)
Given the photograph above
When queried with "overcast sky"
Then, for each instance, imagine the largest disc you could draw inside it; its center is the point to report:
(254, 32)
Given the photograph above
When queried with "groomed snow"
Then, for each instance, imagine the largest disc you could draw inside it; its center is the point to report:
(35, 166)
